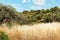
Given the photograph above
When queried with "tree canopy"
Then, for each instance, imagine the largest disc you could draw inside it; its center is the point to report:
(8, 14)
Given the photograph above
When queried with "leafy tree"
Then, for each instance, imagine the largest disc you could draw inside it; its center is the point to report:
(9, 15)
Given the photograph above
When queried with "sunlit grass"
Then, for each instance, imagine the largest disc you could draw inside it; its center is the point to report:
(47, 31)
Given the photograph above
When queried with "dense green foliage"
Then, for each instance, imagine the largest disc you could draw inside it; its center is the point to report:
(3, 36)
(10, 15)
(7, 14)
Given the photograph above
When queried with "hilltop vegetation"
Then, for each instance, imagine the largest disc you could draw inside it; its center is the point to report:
(9, 14)
(49, 31)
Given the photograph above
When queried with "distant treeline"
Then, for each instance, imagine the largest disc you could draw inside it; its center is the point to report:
(8, 14)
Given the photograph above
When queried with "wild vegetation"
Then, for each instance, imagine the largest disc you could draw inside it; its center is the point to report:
(21, 28)
(41, 31)
(3, 36)
(9, 15)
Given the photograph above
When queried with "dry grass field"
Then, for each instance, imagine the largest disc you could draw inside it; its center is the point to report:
(47, 31)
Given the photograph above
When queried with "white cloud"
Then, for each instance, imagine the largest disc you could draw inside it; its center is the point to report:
(24, 1)
(38, 2)
(17, 7)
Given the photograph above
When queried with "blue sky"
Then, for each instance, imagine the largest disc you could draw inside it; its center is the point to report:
(21, 5)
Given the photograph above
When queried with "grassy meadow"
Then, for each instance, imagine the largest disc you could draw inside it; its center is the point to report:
(41, 31)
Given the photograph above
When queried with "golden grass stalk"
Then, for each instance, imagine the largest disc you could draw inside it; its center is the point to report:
(48, 31)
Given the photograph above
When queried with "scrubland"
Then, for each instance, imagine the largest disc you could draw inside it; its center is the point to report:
(41, 31)
(29, 25)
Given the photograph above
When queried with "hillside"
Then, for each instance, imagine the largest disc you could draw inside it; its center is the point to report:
(9, 15)
(29, 25)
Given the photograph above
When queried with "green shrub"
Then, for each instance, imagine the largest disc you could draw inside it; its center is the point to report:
(47, 18)
(3, 36)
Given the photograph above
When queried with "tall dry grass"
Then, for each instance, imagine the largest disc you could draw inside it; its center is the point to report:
(47, 31)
